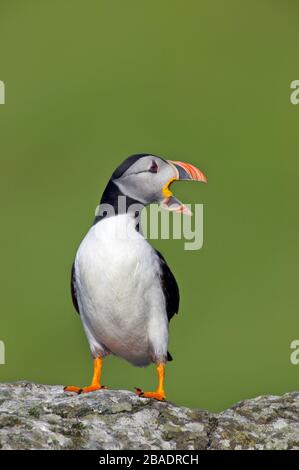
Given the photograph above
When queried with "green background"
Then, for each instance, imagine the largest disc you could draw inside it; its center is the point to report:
(207, 82)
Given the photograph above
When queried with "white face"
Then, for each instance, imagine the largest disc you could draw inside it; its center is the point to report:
(145, 179)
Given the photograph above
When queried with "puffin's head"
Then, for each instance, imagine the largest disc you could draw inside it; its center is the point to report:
(146, 178)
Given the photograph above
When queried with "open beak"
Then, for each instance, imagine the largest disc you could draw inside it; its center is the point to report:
(182, 171)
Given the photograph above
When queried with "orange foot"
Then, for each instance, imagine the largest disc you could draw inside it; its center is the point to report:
(158, 395)
(90, 388)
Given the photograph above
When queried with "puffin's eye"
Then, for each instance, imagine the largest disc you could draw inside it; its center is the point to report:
(154, 167)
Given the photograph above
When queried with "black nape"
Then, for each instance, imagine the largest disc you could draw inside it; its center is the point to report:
(117, 203)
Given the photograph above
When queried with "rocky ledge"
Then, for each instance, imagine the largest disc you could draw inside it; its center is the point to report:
(36, 416)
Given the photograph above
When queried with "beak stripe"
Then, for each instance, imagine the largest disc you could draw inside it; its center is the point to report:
(192, 171)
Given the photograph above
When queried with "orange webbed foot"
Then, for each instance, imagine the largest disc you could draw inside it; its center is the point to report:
(96, 379)
(90, 388)
(93, 388)
(158, 395)
(71, 388)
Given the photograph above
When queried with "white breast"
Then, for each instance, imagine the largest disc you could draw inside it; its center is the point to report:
(121, 302)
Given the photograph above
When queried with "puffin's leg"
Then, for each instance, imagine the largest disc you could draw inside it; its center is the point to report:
(159, 394)
(96, 379)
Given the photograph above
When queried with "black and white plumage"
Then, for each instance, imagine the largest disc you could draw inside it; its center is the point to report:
(168, 284)
(122, 287)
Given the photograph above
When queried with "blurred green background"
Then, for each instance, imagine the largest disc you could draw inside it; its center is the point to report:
(89, 83)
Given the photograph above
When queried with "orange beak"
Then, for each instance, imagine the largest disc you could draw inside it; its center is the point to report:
(182, 171)
(186, 171)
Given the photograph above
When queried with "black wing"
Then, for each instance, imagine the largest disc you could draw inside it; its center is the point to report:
(169, 287)
(170, 290)
(73, 289)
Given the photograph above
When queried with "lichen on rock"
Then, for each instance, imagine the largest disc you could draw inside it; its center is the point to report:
(34, 416)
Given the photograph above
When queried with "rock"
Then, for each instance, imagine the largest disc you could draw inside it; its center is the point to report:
(36, 416)
(266, 422)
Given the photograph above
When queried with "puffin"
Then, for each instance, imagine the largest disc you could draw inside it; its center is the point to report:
(122, 288)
